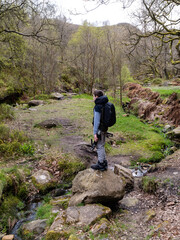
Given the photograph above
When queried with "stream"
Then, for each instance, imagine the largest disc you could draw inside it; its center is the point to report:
(30, 213)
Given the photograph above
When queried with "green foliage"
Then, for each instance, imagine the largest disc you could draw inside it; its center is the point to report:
(44, 211)
(157, 81)
(126, 75)
(6, 112)
(8, 212)
(42, 97)
(68, 164)
(155, 158)
(27, 149)
(12, 180)
(13, 142)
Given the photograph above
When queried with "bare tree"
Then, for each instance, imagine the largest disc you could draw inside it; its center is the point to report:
(25, 18)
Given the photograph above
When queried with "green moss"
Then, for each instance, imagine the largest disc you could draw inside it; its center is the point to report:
(44, 188)
(23, 191)
(73, 237)
(8, 212)
(52, 235)
(12, 182)
(155, 158)
(108, 148)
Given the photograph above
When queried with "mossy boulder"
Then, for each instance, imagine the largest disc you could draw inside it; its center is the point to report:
(42, 180)
(36, 227)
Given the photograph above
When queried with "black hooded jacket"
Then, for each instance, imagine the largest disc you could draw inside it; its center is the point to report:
(99, 103)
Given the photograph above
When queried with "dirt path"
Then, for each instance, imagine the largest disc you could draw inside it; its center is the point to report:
(149, 216)
(140, 216)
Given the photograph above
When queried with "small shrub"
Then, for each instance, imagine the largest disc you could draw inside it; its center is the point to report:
(149, 184)
(157, 81)
(41, 97)
(6, 112)
(27, 149)
(13, 142)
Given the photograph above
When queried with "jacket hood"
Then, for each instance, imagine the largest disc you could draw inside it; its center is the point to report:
(101, 100)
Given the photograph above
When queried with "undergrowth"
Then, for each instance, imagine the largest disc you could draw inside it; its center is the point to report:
(6, 112)
(66, 163)
(14, 142)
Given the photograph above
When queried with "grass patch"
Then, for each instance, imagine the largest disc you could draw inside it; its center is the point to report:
(14, 142)
(166, 91)
(45, 212)
(140, 138)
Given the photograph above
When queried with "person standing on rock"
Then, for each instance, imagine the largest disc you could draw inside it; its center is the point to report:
(99, 130)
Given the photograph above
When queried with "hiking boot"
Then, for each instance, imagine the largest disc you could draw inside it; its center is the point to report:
(100, 166)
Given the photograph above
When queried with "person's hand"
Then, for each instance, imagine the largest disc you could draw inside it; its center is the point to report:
(95, 138)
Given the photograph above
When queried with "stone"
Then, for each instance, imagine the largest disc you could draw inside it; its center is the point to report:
(35, 103)
(167, 127)
(91, 186)
(49, 123)
(8, 237)
(126, 174)
(42, 177)
(59, 221)
(36, 226)
(129, 201)
(58, 228)
(86, 215)
(57, 96)
(100, 227)
(176, 131)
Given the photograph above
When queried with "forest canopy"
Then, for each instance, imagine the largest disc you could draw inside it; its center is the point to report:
(41, 52)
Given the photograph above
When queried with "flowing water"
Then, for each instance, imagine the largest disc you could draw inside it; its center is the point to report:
(30, 213)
